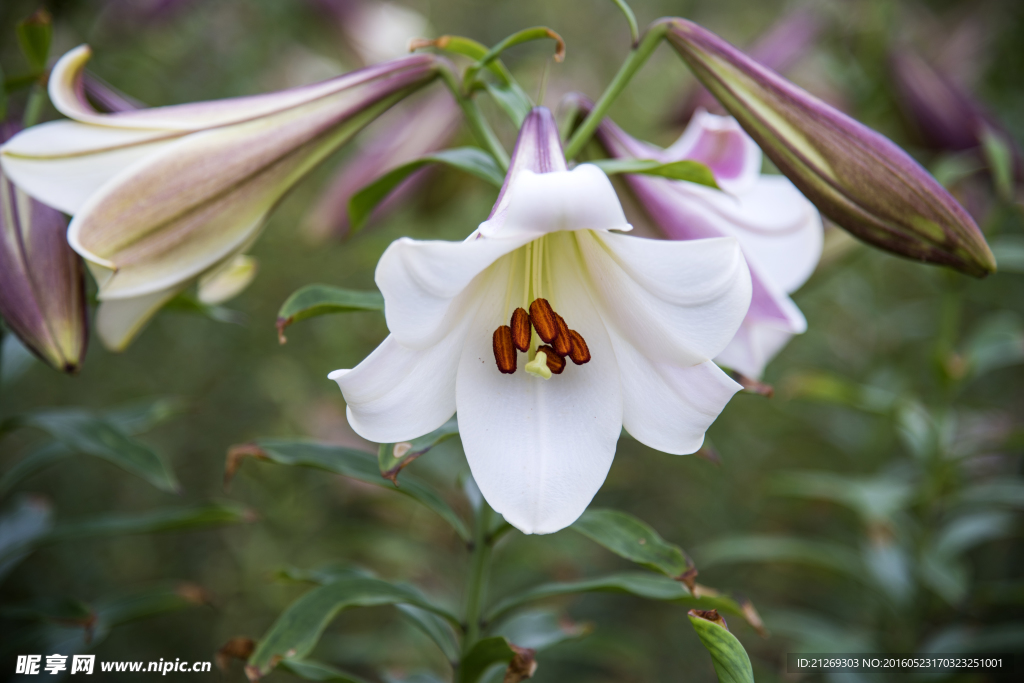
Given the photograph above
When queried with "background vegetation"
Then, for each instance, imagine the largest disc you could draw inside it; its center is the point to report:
(870, 505)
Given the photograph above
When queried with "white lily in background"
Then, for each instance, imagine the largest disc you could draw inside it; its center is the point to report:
(779, 229)
(166, 196)
(620, 333)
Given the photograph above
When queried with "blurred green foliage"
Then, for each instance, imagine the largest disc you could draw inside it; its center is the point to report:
(872, 503)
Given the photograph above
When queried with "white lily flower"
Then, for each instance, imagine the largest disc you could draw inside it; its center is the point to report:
(163, 196)
(639, 319)
(779, 229)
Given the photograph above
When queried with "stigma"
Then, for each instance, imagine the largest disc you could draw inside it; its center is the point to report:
(560, 342)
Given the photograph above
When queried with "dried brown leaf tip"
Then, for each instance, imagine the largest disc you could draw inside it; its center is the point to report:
(504, 350)
(236, 648)
(580, 352)
(544, 320)
(521, 329)
(556, 364)
(752, 385)
(522, 666)
(711, 615)
(236, 454)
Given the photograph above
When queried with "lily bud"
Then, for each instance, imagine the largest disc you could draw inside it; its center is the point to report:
(162, 196)
(854, 175)
(42, 285)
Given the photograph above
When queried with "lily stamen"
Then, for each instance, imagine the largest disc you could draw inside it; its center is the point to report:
(551, 328)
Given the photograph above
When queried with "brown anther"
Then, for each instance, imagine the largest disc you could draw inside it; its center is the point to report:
(555, 362)
(521, 329)
(563, 342)
(579, 354)
(543, 318)
(504, 352)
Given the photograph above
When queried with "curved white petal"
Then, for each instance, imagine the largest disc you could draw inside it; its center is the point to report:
(67, 95)
(675, 302)
(421, 281)
(754, 345)
(540, 449)
(580, 199)
(63, 163)
(119, 322)
(720, 143)
(398, 393)
(669, 407)
(227, 280)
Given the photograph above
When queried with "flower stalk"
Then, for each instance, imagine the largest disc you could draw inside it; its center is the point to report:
(476, 585)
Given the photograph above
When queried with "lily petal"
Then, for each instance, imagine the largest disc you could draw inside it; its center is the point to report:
(397, 393)
(540, 449)
(63, 163)
(119, 322)
(68, 96)
(420, 281)
(678, 303)
(153, 222)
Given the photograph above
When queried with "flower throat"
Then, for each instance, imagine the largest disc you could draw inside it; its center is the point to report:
(559, 342)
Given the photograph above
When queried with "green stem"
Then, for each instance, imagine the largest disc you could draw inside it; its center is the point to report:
(633, 62)
(477, 583)
(34, 106)
(477, 123)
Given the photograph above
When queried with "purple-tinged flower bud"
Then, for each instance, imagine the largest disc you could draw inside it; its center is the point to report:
(854, 175)
(42, 283)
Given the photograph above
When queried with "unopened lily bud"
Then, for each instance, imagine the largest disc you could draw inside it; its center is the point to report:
(42, 286)
(855, 176)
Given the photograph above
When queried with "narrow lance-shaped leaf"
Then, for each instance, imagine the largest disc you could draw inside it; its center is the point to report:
(91, 434)
(101, 526)
(469, 159)
(687, 169)
(314, 300)
(20, 527)
(631, 538)
(730, 659)
(344, 461)
(639, 584)
(854, 175)
(394, 457)
(312, 670)
(297, 631)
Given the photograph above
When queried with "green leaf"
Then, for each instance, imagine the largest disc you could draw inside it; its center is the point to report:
(36, 461)
(687, 170)
(314, 300)
(393, 457)
(347, 462)
(34, 36)
(297, 630)
(484, 654)
(828, 388)
(435, 628)
(187, 303)
(539, 629)
(311, 670)
(639, 584)
(1009, 493)
(999, 157)
(93, 435)
(328, 573)
(997, 342)
(156, 521)
(875, 499)
(1009, 253)
(20, 527)
(629, 537)
(727, 654)
(512, 100)
(469, 159)
(755, 548)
